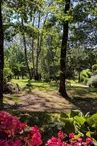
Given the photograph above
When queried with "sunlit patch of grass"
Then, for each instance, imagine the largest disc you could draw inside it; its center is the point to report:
(82, 92)
(73, 81)
(52, 87)
(11, 98)
(42, 86)
(21, 82)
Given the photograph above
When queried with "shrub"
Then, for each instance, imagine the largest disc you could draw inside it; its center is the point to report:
(94, 69)
(7, 74)
(93, 81)
(68, 140)
(85, 75)
(14, 133)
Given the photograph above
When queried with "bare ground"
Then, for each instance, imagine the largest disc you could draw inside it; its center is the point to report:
(38, 101)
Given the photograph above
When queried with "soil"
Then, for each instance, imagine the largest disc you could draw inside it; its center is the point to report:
(38, 101)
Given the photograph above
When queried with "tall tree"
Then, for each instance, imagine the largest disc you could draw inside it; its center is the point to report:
(62, 87)
(25, 51)
(1, 55)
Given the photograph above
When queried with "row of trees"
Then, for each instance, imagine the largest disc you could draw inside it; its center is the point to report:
(49, 38)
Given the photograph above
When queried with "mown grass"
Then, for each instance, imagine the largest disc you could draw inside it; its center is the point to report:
(82, 92)
(52, 87)
(38, 85)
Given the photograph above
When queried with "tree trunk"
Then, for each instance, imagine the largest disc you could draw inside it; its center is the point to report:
(39, 45)
(25, 52)
(38, 51)
(79, 76)
(33, 63)
(62, 86)
(1, 56)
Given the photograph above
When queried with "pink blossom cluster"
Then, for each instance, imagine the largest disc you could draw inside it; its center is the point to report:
(12, 132)
(11, 125)
(61, 141)
(34, 137)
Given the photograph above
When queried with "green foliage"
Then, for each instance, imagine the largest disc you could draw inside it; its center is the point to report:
(94, 68)
(7, 74)
(85, 75)
(79, 123)
(16, 60)
(43, 32)
(50, 54)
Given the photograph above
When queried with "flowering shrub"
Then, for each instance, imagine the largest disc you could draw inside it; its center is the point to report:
(70, 140)
(15, 133)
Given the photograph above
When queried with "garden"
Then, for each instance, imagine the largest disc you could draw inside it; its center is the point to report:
(48, 73)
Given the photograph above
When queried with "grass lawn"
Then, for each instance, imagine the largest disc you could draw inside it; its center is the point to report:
(52, 87)
(44, 97)
(38, 85)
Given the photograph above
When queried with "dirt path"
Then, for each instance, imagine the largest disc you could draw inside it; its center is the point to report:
(38, 101)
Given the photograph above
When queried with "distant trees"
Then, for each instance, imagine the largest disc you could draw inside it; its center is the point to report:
(1, 55)
(16, 61)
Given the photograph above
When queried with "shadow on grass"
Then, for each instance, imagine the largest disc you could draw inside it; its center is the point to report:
(85, 105)
(83, 99)
(82, 91)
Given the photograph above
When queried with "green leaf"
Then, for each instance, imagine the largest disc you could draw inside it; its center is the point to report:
(88, 134)
(64, 115)
(76, 113)
(92, 120)
(95, 142)
(69, 127)
(77, 136)
(80, 120)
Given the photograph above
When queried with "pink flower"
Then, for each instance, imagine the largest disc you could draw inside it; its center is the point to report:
(64, 144)
(77, 144)
(35, 137)
(89, 140)
(17, 143)
(54, 139)
(61, 135)
(54, 142)
(71, 135)
(34, 129)
(80, 140)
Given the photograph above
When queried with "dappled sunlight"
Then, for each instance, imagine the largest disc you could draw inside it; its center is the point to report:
(44, 97)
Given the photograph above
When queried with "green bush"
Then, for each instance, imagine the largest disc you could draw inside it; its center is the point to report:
(94, 69)
(78, 123)
(7, 74)
(85, 75)
(93, 81)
